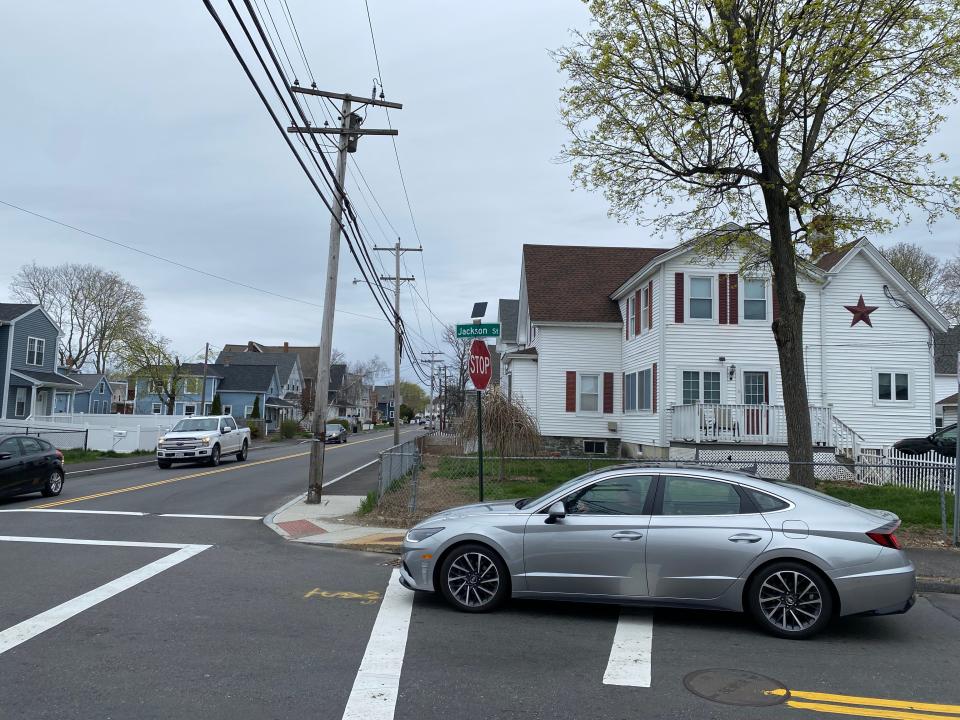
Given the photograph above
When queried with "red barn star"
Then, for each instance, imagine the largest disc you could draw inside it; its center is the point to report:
(861, 311)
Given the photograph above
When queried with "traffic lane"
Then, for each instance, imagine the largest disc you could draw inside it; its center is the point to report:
(229, 633)
(39, 576)
(359, 482)
(536, 660)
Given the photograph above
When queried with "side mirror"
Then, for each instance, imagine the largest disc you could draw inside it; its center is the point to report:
(555, 512)
(226, 430)
(5, 456)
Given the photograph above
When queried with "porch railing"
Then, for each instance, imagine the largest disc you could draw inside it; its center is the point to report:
(757, 424)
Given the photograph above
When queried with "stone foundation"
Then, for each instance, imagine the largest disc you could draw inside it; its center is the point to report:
(573, 446)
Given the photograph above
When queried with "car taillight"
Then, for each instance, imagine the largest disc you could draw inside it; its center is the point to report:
(59, 456)
(885, 536)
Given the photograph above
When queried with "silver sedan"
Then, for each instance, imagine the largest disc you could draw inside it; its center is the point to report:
(676, 536)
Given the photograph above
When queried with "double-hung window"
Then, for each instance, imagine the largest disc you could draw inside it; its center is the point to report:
(631, 315)
(156, 409)
(589, 393)
(701, 386)
(754, 299)
(645, 390)
(20, 408)
(35, 350)
(630, 392)
(645, 309)
(701, 297)
(893, 386)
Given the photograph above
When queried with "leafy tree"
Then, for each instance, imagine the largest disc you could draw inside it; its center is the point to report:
(805, 120)
(149, 356)
(216, 408)
(938, 280)
(406, 412)
(413, 396)
(255, 412)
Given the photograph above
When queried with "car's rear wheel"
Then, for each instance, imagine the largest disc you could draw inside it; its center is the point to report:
(242, 455)
(164, 464)
(791, 600)
(473, 578)
(54, 484)
(215, 456)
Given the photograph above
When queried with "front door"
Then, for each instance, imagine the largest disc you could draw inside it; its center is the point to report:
(756, 391)
(598, 548)
(42, 398)
(700, 540)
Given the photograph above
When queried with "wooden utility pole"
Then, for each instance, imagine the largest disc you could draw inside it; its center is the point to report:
(431, 362)
(397, 337)
(348, 134)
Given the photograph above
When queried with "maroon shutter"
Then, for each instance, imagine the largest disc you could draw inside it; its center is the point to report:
(678, 297)
(571, 391)
(623, 392)
(776, 301)
(653, 394)
(636, 313)
(734, 304)
(608, 393)
(650, 305)
(766, 388)
(723, 298)
(626, 318)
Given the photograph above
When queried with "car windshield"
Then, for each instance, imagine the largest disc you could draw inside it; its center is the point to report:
(569, 483)
(334, 428)
(194, 424)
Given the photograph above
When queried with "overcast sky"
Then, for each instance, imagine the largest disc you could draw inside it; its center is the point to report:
(134, 121)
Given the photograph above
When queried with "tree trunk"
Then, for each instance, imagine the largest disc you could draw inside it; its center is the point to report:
(788, 332)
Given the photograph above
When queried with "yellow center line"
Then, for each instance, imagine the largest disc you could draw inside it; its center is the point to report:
(867, 706)
(205, 473)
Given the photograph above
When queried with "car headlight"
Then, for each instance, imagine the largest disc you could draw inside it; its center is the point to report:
(160, 441)
(418, 534)
(205, 441)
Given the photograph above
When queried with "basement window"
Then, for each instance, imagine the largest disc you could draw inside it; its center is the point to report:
(595, 447)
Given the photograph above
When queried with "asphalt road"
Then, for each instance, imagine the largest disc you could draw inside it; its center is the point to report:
(220, 618)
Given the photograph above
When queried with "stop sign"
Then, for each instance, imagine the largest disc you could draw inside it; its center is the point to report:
(481, 368)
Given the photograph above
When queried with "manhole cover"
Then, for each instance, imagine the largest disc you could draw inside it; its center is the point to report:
(735, 687)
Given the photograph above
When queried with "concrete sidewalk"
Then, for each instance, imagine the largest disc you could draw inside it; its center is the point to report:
(938, 569)
(329, 523)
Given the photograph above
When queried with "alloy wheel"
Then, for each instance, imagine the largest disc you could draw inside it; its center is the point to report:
(55, 483)
(791, 600)
(473, 579)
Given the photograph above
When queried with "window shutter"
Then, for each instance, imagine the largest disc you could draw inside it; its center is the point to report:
(626, 318)
(623, 392)
(733, 308)
(723, 298)
(678, 298)
(571, 391)
(653, 389)
(776, 301)
(608, 393)
(636, 313)
(650, 305)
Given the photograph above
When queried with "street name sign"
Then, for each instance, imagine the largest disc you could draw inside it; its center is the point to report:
(481, 369)
(482, 330)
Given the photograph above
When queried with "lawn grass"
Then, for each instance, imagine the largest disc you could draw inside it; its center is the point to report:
(915, 508)
(77, 455)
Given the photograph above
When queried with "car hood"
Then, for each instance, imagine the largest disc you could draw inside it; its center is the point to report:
(474, 509)
(188, 435)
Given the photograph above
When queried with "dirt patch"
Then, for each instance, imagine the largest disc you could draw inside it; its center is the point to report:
(925, 538)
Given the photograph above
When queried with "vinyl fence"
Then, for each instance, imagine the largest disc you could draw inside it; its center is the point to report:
(120, 433)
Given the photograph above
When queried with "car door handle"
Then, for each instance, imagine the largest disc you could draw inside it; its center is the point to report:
(744, 538)
(627, 535)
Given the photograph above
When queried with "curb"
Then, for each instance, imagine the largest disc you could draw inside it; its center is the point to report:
(268, 519)
(936, 585)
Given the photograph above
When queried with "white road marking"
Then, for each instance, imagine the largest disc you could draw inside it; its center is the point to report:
(631, 656)
(86, 512)
(351, 472)
(212, 517)
(142, 463)
(82, 541)
(377, 685)
(21, 632)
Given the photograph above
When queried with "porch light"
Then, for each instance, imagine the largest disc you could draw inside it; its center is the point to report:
(731, 372)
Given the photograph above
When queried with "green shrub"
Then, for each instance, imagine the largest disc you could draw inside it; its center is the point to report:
(255, 432)
(255, 412)
(216, 408)
(289, 429)
(341, 421)
(368, 503)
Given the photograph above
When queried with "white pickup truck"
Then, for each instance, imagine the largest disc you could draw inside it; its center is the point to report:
(203, 439)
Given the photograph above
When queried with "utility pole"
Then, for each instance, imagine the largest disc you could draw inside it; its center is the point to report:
(348, 134)
(431, 362)
(203, 388)
(443, 403)
(397, 338)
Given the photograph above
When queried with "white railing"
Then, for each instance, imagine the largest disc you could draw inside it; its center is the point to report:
(755, 424)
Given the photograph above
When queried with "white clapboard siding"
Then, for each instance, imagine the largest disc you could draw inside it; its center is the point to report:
(524, 383)
(640, 353)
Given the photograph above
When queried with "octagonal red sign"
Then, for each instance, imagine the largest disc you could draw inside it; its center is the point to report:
(481, 368)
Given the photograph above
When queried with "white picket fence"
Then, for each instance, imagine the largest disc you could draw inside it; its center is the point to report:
(887, 466)
(121, 433)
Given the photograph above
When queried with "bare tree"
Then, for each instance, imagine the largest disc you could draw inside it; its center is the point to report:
(803, 119)
(458, 351)
(95, 308)
(148, 355)
(369, 370)
(938, 280)
(508, 427)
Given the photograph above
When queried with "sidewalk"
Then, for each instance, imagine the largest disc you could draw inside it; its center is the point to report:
(938, 570)
(328, 523)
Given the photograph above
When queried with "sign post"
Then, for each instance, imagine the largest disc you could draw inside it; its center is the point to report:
(481, 369)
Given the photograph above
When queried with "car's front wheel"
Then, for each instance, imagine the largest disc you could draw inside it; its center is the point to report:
(54, 484)
(164, 464)
(473, 578)
(791, 600)
(242, 455)
(215, 456)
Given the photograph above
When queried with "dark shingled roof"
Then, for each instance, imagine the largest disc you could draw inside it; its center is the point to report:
(255, 378)
(946, 345)
(828, 260)
(949, 400)
(283, 361)
(573, 283)
(11, 311)
(87, 380)
(507, 313)
(47, 378)
(309, 356)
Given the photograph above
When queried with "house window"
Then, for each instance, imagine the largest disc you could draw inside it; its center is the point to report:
(755, 391)
(191, 386)
(228, 409)
(701, 386)
(102, 389)
(701, 298)
(630, 391)
(754, 299)
(247, 410)
(938, 417)
(645, 309)
(156, 409)
(95, 407)
(20, 409)
(35, 350)
(893, 387)
(590, 393)
(631, 315)
(595, 447)
(157, 387)
(645, 389)
(189, 409)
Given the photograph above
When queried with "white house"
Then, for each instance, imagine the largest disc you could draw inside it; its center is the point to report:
(636, 351)
(945, 379)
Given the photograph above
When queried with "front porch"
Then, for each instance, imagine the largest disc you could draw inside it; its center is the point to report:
(34, 392)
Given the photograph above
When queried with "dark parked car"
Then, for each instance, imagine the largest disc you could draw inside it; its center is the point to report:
(29, 464)
(944, 441)
(335, 433)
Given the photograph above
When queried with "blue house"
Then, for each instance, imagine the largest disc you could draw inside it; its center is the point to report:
(94, 397)
(28, 362)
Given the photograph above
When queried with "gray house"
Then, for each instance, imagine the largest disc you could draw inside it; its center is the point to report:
(28, 362)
